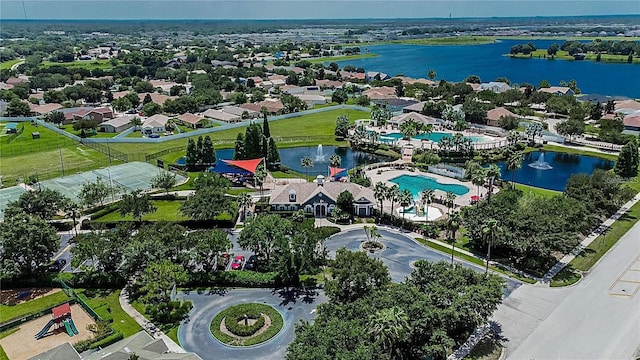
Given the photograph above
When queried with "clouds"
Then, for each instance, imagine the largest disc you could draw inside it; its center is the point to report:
(306, 9)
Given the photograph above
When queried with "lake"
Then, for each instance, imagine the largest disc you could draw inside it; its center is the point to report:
(291, 157)
(456, 62)
(564, 165)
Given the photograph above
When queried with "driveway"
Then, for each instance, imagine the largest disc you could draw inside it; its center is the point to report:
(401, 251)
(195, 336)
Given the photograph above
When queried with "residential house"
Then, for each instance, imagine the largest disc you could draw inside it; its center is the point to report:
(192, 121)
(557, 90)
(167, 85)
(220, 115)
(417, 107)
(319, 198)
(96, 115)
(631, 124)
(494, 115)
(40, 110)
(495, 86)
(627, 105)
(141, 346)
(155, 97)
(378, 93)
(395, 104)
(155, 124)
(116, 125)
(329, 84)
(239, 111)
(398, 120)
(376, 75)
(274, 107)
(311, 100)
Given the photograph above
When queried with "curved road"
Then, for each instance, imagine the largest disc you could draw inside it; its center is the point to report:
(195, 336)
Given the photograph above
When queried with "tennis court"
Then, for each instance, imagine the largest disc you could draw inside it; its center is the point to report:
(125, 178)
(7, 195)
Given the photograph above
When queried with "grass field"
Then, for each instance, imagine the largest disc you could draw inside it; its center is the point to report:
(106, 304)
(304, 130)
(168, 210)
(537, 191)
(6, 65)
(86, 64)
(32, 306)
(563, 55)
(603, 243)
(450, 40)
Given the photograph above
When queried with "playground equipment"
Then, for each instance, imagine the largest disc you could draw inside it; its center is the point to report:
(60, 318)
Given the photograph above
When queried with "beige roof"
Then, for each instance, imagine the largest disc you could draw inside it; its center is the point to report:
(305, 191)
(238, 111)
(497, 113)
(555, 90)
(417, 107)
(632, 121)
(157, 120)
(310, 97)
(190, 118)
(627, 104)
(119, 121)
(141, 344)
(221, 115)
(46, 108)
(417, 117)
(383, 92)
(156, 98)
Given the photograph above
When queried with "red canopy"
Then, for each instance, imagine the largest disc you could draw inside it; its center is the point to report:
(475, 198)
(333, 171)
(61, 310)
(249, 165)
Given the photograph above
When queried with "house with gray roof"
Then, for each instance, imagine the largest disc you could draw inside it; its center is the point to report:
(118, 124)
(319, 198)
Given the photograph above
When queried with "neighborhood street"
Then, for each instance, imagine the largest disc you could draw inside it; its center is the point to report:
(599, 318)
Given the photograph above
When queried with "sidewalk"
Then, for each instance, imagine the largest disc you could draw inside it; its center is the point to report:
(147, 325)
(588, 240)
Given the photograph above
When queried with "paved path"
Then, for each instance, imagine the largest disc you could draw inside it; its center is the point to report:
(599, 318)
(195, 335)
(589, 239)
(146, 324)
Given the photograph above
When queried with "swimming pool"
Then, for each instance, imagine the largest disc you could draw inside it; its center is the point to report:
(417, 183)
(434, 136)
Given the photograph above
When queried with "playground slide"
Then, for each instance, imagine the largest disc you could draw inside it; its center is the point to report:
(73, 326)
(68, 328)
(44, 330)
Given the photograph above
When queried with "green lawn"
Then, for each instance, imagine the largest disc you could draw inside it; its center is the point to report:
(171, 330)
(86, 64)
(537, 191)
(168, 210)
(564, 55)
(450, 40)
(307, 130)
(6, 65)
(24, 143)
(603, 243)
(341, 58)
(565, 277)
(12, 312)
(107, 305)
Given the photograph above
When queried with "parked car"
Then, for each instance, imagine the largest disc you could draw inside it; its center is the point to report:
(237, 263)
(154, 136)
(57, 265)
(223, 261)
(251, 263)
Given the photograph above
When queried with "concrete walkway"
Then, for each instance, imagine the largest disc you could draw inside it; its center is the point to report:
(589, 239)
(147, 325)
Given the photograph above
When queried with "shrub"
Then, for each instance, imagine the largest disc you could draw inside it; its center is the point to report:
(234, 319)
(234, 278)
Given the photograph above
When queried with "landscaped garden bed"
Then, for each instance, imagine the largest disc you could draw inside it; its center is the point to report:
(246, 324)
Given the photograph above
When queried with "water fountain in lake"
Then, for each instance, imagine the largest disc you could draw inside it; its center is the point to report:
(540, 164)
(320, 154)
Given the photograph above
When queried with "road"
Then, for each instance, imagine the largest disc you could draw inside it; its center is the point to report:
(599, 318)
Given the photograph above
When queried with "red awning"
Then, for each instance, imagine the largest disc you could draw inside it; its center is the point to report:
(249, 165)
(475, 198)
(333, 171)
(61, 310)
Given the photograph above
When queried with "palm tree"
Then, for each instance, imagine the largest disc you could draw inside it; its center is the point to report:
(135, 123)
(490, 230)
(259, 176)
(426, 196)
(380, 191)
(493, 173)
(450, 199)
(335, 160)
(244, 201)
(306, 163)
(405, 198)
(393, 194)
(453, 224)
(388, 326)
(514, 163)
(478, 178)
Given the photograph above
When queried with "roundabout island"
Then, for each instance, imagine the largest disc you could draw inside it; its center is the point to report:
(246, 324)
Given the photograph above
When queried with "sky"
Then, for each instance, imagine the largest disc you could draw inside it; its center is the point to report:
(306, 9)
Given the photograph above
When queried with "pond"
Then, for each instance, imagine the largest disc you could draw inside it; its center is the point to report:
(291, 157)
(562, 166)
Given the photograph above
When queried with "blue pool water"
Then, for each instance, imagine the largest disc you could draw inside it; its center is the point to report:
(418, 183)
(434, 136)
(564, 165)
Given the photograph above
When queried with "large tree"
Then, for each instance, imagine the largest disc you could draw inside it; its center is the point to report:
(628, 160)
(200, 205)
(165, 180)
(137, 204)
(27, 242)
(44, 203)
(342, 127)
(354, 275)
(95, 192)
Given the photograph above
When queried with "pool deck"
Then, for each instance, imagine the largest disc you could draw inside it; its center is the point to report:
(487, 142)
(389, 173)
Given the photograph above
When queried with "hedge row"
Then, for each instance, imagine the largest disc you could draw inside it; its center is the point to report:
(234, 319)
(191, 224)
(234, 278)
(276, 325)
(101, 341)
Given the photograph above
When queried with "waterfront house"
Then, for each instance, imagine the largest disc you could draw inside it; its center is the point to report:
(494, 115)
(631, 124)
(557, 90)
(495, 86)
